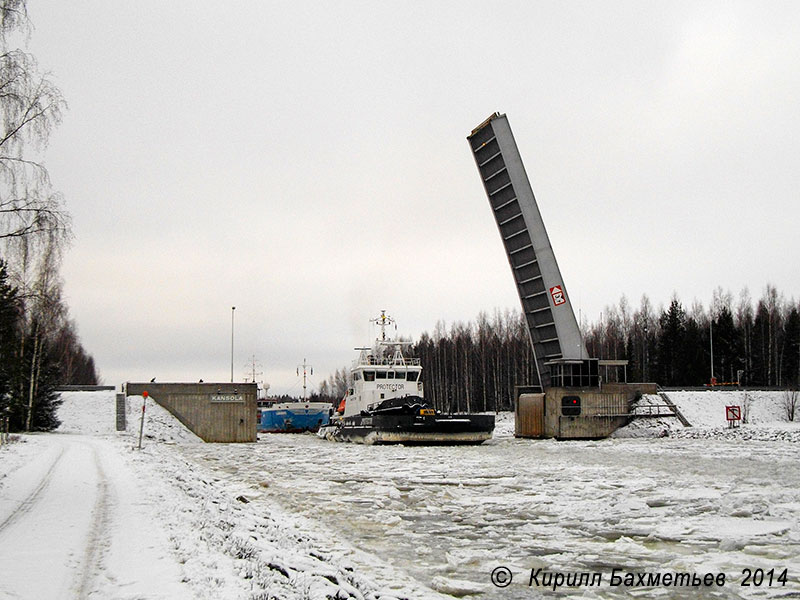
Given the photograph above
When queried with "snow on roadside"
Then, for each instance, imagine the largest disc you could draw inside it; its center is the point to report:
(159, 424)
(19, 453)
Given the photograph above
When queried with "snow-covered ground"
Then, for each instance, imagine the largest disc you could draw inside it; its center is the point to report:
(83, 514)
(78, 519)
(764, 417)
(293, 516)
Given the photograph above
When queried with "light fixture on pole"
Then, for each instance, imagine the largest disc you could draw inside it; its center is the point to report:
(233, 311)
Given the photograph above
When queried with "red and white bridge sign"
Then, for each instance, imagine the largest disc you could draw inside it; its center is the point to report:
(557, 293)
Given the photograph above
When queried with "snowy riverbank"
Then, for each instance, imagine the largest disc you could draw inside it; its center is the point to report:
(764, 417)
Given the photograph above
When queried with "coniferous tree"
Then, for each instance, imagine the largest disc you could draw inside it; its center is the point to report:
(744, 328)
(9, 337)
(791, 349)
(75, 366)
(671, 347)
(695, 357)
(728, 348)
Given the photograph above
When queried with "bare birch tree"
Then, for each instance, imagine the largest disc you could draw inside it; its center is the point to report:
(34, 227)
(30, 107)
(790, 398)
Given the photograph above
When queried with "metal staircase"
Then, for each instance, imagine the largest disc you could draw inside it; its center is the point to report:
(684, 421)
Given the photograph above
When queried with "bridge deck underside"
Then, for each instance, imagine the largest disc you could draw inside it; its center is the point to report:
(510, 219)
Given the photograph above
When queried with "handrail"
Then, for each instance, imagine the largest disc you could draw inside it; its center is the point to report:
(387, 362)
(647, 409)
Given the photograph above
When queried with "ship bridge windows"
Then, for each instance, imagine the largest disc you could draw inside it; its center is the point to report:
(380, 374)
(412, 375)
(369, 375)
(389, 374)
(399, 374)
(356, 376)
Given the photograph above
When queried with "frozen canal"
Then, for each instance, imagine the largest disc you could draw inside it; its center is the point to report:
(449, 516)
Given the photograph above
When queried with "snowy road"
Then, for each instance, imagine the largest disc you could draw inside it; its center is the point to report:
(74, 525)
(449, 516)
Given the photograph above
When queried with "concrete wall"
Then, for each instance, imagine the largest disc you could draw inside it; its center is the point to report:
(603, 410)
(593, 422)
(85, 388)
(215, 412)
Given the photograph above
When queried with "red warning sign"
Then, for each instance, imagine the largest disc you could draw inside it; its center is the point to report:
(557, 294)
(733, 413)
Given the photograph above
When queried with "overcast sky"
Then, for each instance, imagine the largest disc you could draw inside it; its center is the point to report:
(307, 162)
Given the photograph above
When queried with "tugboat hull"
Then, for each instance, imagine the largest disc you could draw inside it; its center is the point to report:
(415, 429)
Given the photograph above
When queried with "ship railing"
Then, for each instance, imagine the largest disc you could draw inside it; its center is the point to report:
(386, 361)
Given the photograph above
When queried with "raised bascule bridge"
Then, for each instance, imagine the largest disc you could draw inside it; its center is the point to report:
(570, 400)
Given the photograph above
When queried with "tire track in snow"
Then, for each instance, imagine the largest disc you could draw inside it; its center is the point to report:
(30, 500)
(95, 539)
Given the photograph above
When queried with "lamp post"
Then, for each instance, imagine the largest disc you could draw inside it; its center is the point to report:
(233, 312)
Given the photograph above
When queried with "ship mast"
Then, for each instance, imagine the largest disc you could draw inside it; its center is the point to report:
(306, 367)
(253, 364)
(383, 321)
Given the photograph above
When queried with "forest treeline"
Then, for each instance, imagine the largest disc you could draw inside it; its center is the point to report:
(39, 344)
(753, 344)
(476, 366)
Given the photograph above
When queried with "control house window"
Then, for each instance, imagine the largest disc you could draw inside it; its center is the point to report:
(571, 406)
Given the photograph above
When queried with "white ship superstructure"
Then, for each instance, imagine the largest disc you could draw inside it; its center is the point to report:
(377, 377)
(385, 402)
